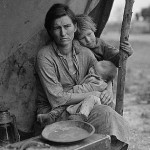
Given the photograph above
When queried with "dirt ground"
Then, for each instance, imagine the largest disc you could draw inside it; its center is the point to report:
(137, 89)
(137, 97)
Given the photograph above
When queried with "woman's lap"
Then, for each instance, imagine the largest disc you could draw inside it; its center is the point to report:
(108, 121)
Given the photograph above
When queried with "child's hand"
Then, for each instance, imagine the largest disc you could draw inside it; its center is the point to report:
(126, 47)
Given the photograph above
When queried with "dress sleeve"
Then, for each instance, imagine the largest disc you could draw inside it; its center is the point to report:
(89, 87)
(46, 69)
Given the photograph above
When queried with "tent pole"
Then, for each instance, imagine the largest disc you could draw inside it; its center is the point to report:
(123, 56)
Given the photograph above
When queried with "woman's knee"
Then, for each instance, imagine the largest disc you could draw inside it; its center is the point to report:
(102, 109)
(101, 113)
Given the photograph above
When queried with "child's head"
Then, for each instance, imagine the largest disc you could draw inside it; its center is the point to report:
(85, 30)
(106, 70)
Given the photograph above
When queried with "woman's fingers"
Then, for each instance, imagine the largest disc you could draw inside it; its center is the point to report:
(106, 98)
(104, 95)
(109, 100)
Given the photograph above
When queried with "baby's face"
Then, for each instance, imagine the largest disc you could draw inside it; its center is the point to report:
(87, 38)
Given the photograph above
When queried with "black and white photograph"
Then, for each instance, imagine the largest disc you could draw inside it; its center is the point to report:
(74, 75)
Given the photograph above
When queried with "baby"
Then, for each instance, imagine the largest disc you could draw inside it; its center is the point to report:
(106, 72)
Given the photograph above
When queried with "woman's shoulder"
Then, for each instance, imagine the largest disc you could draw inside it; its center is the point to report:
(45, 50)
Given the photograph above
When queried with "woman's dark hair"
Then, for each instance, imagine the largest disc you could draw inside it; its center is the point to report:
(55, 12)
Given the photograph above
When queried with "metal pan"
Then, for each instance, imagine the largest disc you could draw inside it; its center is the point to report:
(67, 131)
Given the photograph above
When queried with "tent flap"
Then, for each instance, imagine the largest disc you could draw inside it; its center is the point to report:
(100, 14)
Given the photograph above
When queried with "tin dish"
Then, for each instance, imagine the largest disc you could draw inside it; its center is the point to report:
(68, 131)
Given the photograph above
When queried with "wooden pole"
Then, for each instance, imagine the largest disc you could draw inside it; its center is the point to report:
(123, 56)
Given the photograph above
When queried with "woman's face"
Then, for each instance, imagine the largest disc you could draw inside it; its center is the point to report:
(63, 31)
(87, 38)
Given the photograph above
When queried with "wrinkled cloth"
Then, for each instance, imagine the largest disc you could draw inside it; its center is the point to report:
(87, 105)
(104, 51)
(84, 86)
(108, 121)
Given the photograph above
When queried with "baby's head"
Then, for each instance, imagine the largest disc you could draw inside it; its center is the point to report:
(106, 70)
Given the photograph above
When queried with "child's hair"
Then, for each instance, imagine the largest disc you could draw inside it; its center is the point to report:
(107, 70)
(84, 22)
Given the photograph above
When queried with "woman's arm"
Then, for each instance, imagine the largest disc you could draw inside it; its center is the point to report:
(78, 97)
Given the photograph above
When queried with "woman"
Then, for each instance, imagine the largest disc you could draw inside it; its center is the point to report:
(63, 64)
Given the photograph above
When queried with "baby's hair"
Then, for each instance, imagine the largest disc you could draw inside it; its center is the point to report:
(107, 70)
(84, 22)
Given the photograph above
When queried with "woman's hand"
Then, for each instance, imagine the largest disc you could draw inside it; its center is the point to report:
(126, 47)
(106, 97)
